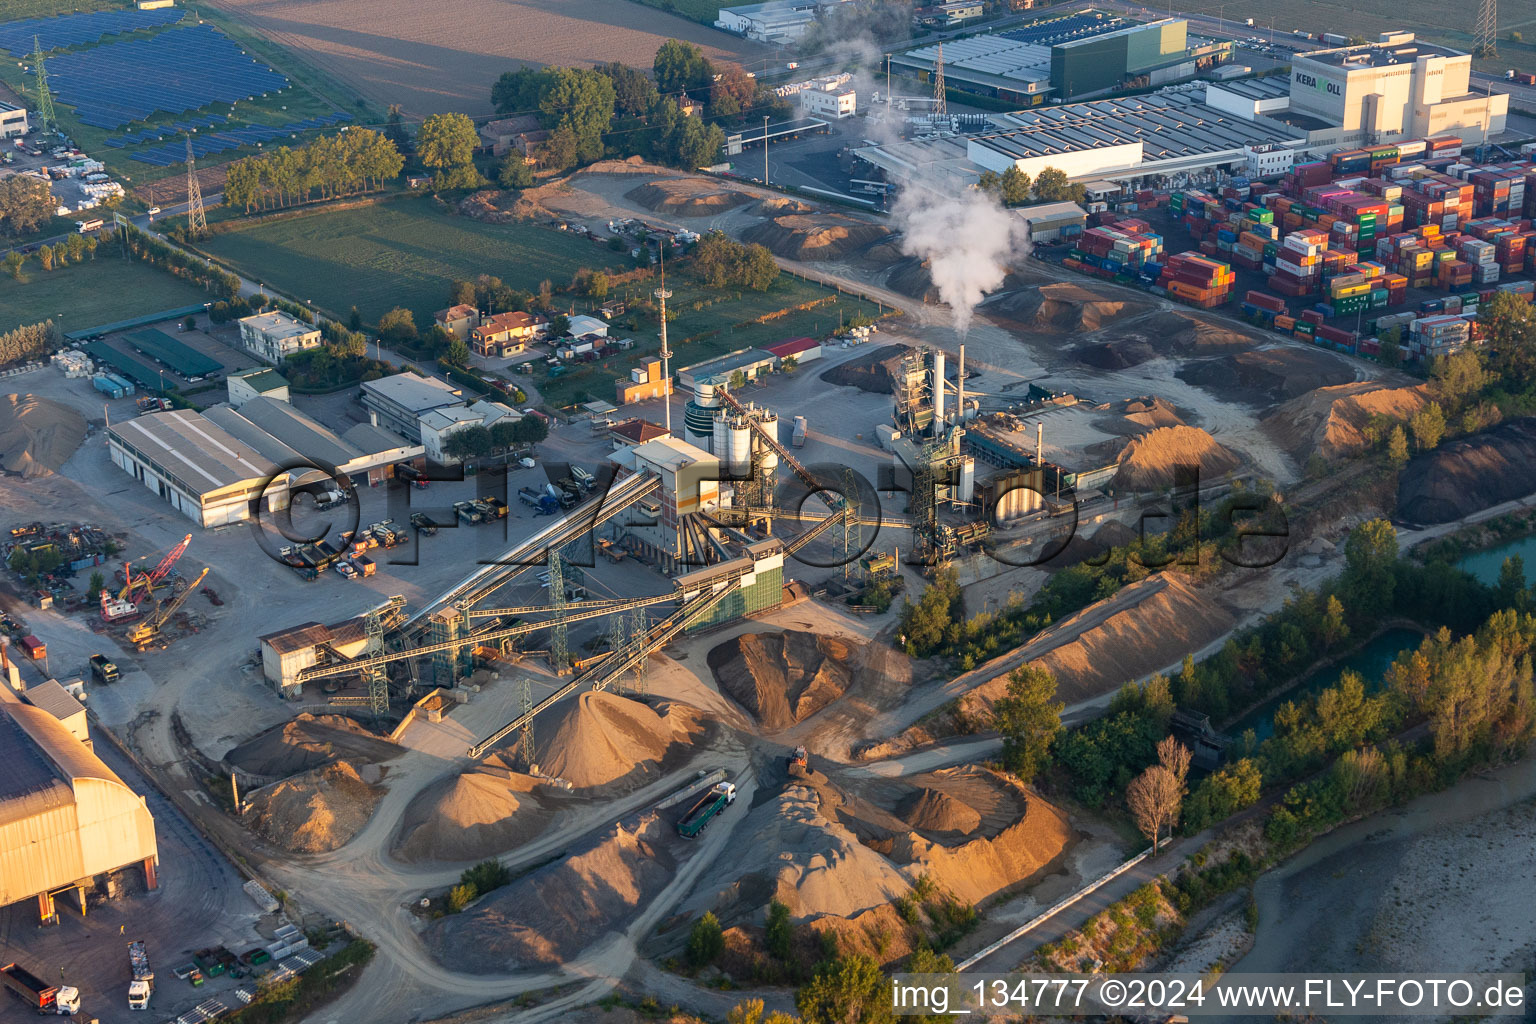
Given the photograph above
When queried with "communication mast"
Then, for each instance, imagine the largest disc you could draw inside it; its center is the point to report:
(940, 107)
(666, 353)
(197, 221)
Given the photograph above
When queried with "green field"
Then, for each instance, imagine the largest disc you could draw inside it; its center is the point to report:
(703, 11)
(403, 253)
(99, 291)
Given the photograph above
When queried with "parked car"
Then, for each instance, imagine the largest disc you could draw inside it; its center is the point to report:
(526, 463)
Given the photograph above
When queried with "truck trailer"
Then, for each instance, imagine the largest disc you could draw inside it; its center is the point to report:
(716, 799)
(104, 668)
(39, 994)
(143, 984)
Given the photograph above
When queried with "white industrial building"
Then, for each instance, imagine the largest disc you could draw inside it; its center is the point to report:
(66, 819)
(1397, 88)
(690, 479)
(262, 382)
(13, 120)
(275, 336)
(363, 453)
(778, 22)
(398, 402)
(832, 100)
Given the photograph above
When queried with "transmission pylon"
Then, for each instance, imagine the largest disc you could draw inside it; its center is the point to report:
(638, 628)
(559, 640)
(197, 221)
(525, 742)
(1486, 41)
(940, 107)
(615, 634)
(45, 115)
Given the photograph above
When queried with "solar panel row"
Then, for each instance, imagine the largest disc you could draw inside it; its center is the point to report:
(174, 72)
(16, 37)
(204, 145)
(158, 133)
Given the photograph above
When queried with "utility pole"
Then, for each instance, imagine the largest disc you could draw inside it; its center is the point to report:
(765, 149)
(197, 221)
(666, 353)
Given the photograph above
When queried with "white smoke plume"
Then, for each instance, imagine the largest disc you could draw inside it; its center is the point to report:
(969, 241)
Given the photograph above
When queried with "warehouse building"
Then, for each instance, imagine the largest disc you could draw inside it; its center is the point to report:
(397, 403)
(749, 362)
(1397, 88)
(365, 454)
(777, 22)
(288, 652)
(644, 381)
(276, 336)
(66, 819)
(1050, 222)
(440, 424)
(206, 474)
(1136, 56)
(801, 350)
(52, 697)
(13, 120)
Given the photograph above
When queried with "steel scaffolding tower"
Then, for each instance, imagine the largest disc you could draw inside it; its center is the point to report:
(559, 637)
(525, 742)
(639, 626)
(615, 633)
(940, 106)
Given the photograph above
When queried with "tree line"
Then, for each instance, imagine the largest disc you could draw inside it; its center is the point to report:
(723, 262)
(333, 165)
(1014, 188)
(75, 248)
(477, 442)
(179, 263)
(29, 342)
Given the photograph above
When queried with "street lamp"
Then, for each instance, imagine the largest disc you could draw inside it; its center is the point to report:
(765, 149)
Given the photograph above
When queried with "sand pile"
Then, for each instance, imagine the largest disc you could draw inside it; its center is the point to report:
(318, 811)
(687, 197)
(775, 206)
(37, 435)
(309, 741)
(1062, 308)
(1331, 421)
(555, 912)
(1116, 354)
(485, 811)
(1148, 462)
(1139, 415)
(933, 811)
(782, 678)
(872, 372)
(1273, 375)
(911, 277)
(601, 738)
(982, 868)
(1175, 332)
(828, 236)
(1469, 475)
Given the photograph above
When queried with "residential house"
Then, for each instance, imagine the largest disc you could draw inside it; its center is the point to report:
(507, 334)
(458, 320)
(440, 424)
(499, 136)
(275, 336)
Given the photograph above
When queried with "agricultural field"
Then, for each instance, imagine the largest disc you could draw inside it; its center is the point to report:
(18, 10)
(445, 56)
(1430, 19)
(404, 253)
(99, 291)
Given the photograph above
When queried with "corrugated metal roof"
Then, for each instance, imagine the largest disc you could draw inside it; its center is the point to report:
(30, 783)
(306, 634)
(54, 699)
(197, 452)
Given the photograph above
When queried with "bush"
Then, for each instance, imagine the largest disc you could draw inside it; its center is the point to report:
(460, 896)
(487, 875)
(706, 942)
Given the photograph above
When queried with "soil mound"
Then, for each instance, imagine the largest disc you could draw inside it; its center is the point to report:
(776, 206)
(829, 236)
(1331, 421)
(911, 278)
(309, 741)
(1140, 415)
(985, 867)
(932, 811)
(37, 435)
(550, 915)
(485, 811)
(318, 811)
(600, 738)
(1062, 308)
(1172, 331)
(872, 373)
(1148, 463)
(1120, 354)
(782, 678)
(1273, 375)
(1469, 475)
(687, 197)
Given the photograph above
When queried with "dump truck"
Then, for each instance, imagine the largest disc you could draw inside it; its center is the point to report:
(715, 800)
(497, 507)
(143, 984)
(469, 512)
(104, 668)
(364, 565)
(424, 523)
(39, 994)
(799, 761)
(530, 497)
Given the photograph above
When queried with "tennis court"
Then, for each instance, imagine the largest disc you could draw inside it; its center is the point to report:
(175, 72)
(79, 29)
(185, 360)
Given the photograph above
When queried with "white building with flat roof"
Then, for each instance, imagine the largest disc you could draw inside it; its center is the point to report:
(440, 424)
(275, 336)
(13, 120)
(398, 402)
(830, 101)
(780, 21)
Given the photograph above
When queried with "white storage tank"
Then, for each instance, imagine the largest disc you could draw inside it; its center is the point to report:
(738, 457)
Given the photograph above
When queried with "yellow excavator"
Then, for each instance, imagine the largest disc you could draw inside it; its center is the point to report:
(144, 633)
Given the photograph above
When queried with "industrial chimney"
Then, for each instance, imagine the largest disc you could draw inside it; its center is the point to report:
(938, 393)
(1040, 443)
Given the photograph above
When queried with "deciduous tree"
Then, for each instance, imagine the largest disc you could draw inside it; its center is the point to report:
(1029, 718)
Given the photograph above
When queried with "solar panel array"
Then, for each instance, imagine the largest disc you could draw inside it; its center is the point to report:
(205, 144)
(78, 29)
(161, 132)
(174, 72)
(1059, 30)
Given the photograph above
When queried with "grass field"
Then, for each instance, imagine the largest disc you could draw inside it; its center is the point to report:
(20, 10)
(99, 291)
(404, 253)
